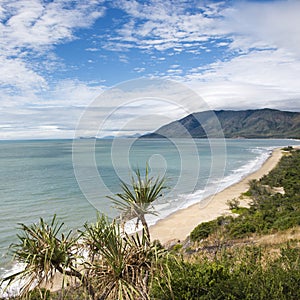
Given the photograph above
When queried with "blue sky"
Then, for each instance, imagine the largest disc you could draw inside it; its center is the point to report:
(58, 56)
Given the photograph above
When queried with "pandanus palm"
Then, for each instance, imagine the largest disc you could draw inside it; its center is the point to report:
(137, 200)
(44, 252)
(120, 265)
(115, 266)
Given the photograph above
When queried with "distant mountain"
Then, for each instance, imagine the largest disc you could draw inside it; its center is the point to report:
(257, 123)
(111, 137)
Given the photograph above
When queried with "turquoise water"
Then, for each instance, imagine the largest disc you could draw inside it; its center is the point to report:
(46, 177)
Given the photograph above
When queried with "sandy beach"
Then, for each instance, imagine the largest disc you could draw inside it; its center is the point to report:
(179, 224)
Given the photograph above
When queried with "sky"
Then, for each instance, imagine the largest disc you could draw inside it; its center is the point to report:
(60, 59)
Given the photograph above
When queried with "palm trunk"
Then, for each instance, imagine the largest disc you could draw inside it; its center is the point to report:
(146, 228)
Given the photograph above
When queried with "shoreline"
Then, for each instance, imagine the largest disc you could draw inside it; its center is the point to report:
(178, 225)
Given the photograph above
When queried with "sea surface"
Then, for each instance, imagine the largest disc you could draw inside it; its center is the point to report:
(72, 178)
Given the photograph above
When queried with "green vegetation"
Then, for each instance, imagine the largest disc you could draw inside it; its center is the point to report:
(44, 252)
(137, 202)
(118, 266)
(203, 230)
(243, 273)
(256, 123)
(288, 148)
(275, 204)
(103, 260)
(213, 264)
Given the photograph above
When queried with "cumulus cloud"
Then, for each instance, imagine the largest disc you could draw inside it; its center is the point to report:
(259, 63)
(31, 105)
(264, 67)
(235, 54)
(71, 92)
(269, 68)
(162, 25)
(264, 24)
(254, 80)
(31, 28)
(38, 25)
(16, 73)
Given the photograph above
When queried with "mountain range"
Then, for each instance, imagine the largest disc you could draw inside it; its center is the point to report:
(254, 123)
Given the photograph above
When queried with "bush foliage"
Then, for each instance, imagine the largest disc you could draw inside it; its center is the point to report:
(270, 210)
(130, 267)
(240, 274)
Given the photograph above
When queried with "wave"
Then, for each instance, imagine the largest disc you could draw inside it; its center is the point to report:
(217, 185)
(250, 167)
(182, 201)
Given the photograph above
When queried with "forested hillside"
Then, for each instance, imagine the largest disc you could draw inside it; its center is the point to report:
(258, 123)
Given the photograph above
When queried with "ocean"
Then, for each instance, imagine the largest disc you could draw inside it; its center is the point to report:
(72, 179)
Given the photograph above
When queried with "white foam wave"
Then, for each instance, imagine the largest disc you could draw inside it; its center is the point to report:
(250, 167)
(14, 289)
(182, 201)
(219, 184)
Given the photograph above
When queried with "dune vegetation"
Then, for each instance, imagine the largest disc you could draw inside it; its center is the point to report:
(252, 254)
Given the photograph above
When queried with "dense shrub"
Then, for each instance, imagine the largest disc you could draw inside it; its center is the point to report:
(269, 211)
(240, 274)
(189, 280)
(203, 230)
(246, 273)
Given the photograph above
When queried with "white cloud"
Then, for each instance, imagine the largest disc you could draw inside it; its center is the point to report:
(32, 28)
(269, 68)
(92, 49)
(69, 92)
(123, 58)
(260, 41)
(16, 73)
(245, 25)
(35, 24)
(139, 70)
(265, 24)
(31, 106)
(175, 71)
(257, 79)
(163, 25)
(235, 95)
(47, 115)
(138, 106)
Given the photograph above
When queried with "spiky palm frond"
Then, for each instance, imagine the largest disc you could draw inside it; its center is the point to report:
(121, 263)
(119, 266)
(136, 201)
(43, 253)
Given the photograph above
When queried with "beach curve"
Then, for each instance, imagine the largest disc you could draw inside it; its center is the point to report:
(179, 224)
